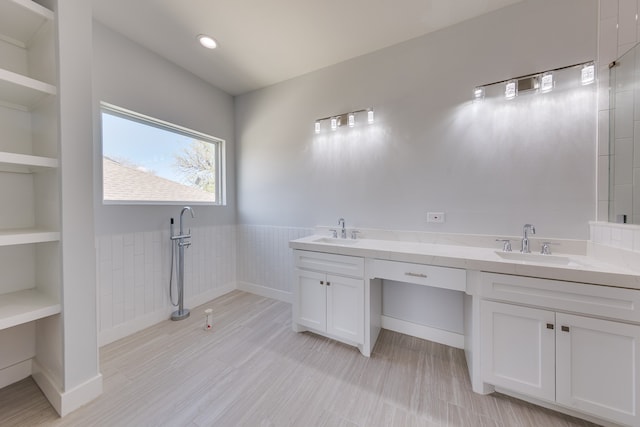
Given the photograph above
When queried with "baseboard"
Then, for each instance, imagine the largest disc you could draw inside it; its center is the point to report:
(15, 373)
(425, 332)
(81, 395)
(65, 402)
(266, 292)
(49, 388)
(558, 408)
(125, 329)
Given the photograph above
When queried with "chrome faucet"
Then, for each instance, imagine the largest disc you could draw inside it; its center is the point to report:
(182, 235)
(182, 241)
(343, 230)
(528, 228)
(186, 208)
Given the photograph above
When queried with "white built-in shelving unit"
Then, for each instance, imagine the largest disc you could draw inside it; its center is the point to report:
(30, 282)
(46, 217)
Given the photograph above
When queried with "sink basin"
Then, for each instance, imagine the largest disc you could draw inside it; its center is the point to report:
(335, 241)
(537, 258)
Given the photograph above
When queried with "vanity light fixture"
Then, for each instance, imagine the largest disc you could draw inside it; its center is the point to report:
(539, 82)
(207, 41)
(339, 120)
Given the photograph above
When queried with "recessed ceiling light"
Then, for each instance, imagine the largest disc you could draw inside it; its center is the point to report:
(207, 41)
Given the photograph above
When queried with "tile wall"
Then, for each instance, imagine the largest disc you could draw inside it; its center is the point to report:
(618, 32)
(621, 236)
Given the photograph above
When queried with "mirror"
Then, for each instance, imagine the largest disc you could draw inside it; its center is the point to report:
(624, 138)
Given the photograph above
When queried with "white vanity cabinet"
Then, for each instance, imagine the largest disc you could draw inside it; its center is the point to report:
(329, 296)
(518, 349)
(543, 338)
(598, 367)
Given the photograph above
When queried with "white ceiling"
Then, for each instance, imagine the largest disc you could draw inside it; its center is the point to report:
(262, 42)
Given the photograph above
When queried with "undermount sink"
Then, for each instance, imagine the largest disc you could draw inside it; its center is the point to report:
(537, 258)
(336, 241)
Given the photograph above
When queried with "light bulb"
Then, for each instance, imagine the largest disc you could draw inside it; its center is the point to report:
(334, 123)
(317, 126)
(478, 93)
(370, 116)
(546, 82)
(207, 41)
(588, 73)
(351, 120)
(511, 89)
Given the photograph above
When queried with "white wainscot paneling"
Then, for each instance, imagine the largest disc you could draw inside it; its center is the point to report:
(134, 271)
(265, 261)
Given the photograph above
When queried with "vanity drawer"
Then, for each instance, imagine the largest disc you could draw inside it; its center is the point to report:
(595, 300)
(330, 263)
(420, 274)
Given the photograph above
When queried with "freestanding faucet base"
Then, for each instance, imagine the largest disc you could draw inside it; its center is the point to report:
(180, 314)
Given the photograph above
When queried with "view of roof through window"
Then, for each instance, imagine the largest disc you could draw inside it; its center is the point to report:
(149, 161)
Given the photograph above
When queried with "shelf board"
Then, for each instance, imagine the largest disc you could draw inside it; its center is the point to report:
(25, 163)
(21, 19)
(24, 236)
(25, 306)
(22, 91)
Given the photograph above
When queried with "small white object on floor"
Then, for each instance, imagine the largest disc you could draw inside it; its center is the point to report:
(209, 319)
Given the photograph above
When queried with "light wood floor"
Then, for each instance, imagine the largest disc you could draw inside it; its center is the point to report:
(252, 370)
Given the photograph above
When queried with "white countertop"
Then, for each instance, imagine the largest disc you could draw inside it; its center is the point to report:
(583, 269)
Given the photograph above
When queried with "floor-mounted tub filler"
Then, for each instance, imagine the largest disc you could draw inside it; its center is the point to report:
(179, 242)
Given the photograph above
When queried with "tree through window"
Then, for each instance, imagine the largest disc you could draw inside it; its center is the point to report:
(146, 160)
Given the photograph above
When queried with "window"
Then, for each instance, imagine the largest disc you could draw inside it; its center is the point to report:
(149, 161)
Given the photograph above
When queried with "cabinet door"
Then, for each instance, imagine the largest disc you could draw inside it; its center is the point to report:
(598, 367)
(518, 349)
(345, 308)
(311, 300)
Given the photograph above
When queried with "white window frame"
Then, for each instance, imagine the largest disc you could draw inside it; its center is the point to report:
(218, 143)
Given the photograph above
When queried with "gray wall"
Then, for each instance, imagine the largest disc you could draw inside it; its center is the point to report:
(129, 76)
(491, 167)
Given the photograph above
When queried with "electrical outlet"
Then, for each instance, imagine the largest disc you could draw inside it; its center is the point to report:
(435, 216)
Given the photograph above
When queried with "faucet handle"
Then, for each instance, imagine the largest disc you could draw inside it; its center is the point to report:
(354, 234)
(545, 249)
(506, 244)
(335, 232)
